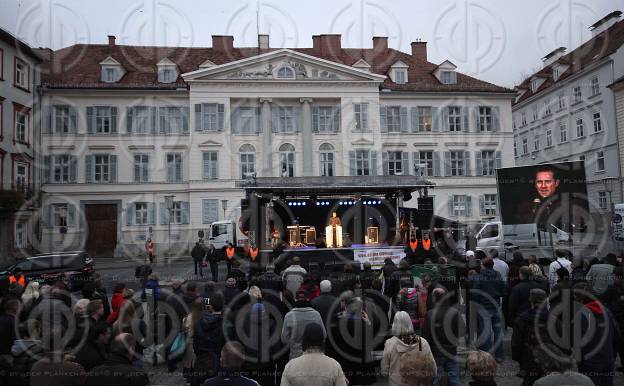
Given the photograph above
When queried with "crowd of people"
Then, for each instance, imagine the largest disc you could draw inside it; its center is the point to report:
(313, 325)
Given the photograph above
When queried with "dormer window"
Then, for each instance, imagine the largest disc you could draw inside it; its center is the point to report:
(556, 73)
(534, 85)
(111, 70)
(448, 77)
(400, 76)
(285, 72)
(167, 72)
(398, 72)
(110, 75)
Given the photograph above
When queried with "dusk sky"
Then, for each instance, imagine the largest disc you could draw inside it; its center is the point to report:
(497, 41)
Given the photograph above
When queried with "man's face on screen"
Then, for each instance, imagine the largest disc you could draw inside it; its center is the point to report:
(546, 184)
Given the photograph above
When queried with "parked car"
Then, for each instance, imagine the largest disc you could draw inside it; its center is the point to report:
(75, 268)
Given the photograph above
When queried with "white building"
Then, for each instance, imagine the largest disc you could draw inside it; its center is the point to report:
(128, 125)
(566, 112)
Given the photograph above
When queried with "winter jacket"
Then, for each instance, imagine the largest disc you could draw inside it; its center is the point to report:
(519, 297)
(394, 282)
(90, 354)
(313, 368)
(118, 371)
(324, 304)
(269, 281)
(25, 353)
(529, 331)
(394, 349)
(116, 303)
(487, 287)
(294, 324)
(437, 320)
(198, 253)
(601, 336)
(154, 286)
(600, 277)
(208, 334)
(7, 338)
(48, 371)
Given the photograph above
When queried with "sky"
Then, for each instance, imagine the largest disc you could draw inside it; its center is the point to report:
(500, 41)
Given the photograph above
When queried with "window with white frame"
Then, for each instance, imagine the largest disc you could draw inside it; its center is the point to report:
(563, 132)
(536, 142)
(535, 114)
(210, 211)
(597, 122)
(174, 167)
(485, 118)
(488, 162)
(60, 168)
(426, 158)
(595, 86)
(578, 94)
(285, 120)
(62, 119)
(246, 120)
(400, 76)
(287, 160)
(600, 161)
(425, 118)
(176, 212)
(172, 119)
(141, 119)
(447, 77)
(523, 118)
(455, 118)
(210, 165)
(556, 73)
(361, 116)
(460, 205)
(167, 75)
(141, 168)
(21, 181)
(101, 168)
(211, 116)
(525, 146)
(110, 75)
(21, 73)
(602, 200)
(285, 72)
(103, 119)
(327, 160)
(580, 127)
(140, 213)
(21, 134)
(534, 85)
(60, 215)
(562, 103)
(458, 166)
(547, 110)
(489, 205)
(21, 234)
(325, 119)
(362, 163)
(549, 138)
(393, 119)
(395, 163)
(247, 161)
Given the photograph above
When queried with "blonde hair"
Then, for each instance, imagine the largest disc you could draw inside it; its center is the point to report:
(255, 292)
(80, 308)
(31, 293)
(481, 364)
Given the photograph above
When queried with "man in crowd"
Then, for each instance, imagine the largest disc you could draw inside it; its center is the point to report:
(295, 321)
(294, 275)
(232, 359)
(93, 350)
(325, 302)
(499, 265)
(197, 253)
(519, 297)
(269, 280)
(561, 261)
(117, 369)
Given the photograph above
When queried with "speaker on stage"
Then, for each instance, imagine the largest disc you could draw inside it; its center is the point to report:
(425, 211)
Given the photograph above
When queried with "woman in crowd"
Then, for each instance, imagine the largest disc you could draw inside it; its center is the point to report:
(116, 302)
(30, 297)
(482, 367)
(188, 360)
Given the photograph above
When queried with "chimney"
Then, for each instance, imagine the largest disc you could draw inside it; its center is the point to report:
(327, 45)
(380, 44)
(263, 41)
(111, 40)
(605, 23)
(553, 56)
(222, 43)
(419, 50)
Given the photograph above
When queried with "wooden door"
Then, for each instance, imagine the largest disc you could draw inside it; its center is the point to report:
(101, 229)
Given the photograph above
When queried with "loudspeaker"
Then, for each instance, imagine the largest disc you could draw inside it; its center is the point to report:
(425, 212)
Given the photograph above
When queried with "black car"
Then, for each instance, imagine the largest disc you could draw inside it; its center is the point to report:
(75, 268)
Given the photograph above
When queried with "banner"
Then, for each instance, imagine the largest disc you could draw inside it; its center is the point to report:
(617, 223)
(376, 256)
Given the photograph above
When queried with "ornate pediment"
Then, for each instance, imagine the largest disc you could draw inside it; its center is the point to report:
(363, 142)
(210, 143)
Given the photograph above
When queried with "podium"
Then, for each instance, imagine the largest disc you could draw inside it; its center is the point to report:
(329, 236)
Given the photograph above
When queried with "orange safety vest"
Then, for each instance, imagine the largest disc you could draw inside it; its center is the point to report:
(229, 251)
(426, 244)
(413, 245)
(253, 253)
(21, 281)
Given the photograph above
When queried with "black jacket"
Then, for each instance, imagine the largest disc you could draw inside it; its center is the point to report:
(519, 297)
(269, 281)
(394, 284)
(530, 329)
(117, 370)
(90, 355)
(367, 277)
(7, 326)
(443, 343)
(323, 304)
(25, 353)
(601, 336)
(198, 253)
(486, 288)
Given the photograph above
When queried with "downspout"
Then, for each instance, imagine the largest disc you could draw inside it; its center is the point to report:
(617, 132)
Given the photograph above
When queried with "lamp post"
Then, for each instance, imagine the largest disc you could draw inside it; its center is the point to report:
(169, 204)
(224, 206)
(609, 185)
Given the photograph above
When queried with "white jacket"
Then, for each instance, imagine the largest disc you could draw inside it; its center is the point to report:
(394, 349)
(313, 368)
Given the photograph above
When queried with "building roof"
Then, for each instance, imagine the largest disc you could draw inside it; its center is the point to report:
(18, 44)
(78, 66)
(618, 83)
(592, 51)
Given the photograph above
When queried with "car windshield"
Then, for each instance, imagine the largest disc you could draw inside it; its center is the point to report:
(7, 267)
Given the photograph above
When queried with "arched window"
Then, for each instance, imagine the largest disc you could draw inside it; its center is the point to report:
(285, 72)
(287, 160)
(327, 160)
(247, 160)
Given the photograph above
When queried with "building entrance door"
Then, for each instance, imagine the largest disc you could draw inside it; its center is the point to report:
(101, 229)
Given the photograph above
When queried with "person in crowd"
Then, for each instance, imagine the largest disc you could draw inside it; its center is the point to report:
(25, 352)
(295, 321)
(231, 290)
(269, 280)
(82, 320)
(207, 292)
(444, 341)
(418, 369)
(514, 270)
(536, 268)
(232, 359)
(19, 278)
(367, 276)
(95, 310)
(117, 369)
(486, 289)
(529, 331)
(601, 276)
(325, 302)
(557, 368)
(128, 323)
(413, 301)
(386, 272)
(94, 349)
(212, 257)
(403, 341)
(230, 256)
(198, 253)
(310, 287)
(55, 367)
(519, 297)
(378, 305)
(237, 273)
(258, 329)
(395, 280)
(210, 333)
(430, 284)
(152, 285)
(175, 301)
(30, 296)
(499, 265)
(89, 292)
(313, 367)
(149, 250)
(600, 337)
(100, 290)
(561, 261)
(482, 368)
(345, 280)
(294, 275)
(8, 320)
(116, 302)
(578, 270)
(562, 290)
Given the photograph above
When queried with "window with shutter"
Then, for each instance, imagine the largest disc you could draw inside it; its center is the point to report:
(393, 119)
(210, 165)
(141, 168)
(395, 163)
(247, 161)
(210, 211)
(361, 116)
(327, 160)
(174, 167)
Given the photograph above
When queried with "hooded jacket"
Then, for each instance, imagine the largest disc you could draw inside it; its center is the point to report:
(116, 303)
(25, 353)
(295, 322)
(600, 338)
(208, 334)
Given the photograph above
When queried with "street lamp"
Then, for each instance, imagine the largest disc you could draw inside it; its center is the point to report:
(224, 206)
(169, 204)
(609, 185)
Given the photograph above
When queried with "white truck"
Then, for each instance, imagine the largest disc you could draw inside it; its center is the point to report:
(221, 233)
(507, 238)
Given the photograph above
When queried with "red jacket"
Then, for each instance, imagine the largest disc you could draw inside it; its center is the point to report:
(116, 302)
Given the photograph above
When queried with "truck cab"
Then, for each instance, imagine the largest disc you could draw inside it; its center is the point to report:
(221, 233)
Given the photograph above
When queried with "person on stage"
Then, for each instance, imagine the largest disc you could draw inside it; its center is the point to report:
(334, 222)
(404, 227)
